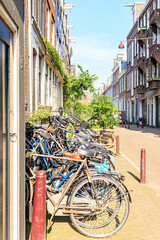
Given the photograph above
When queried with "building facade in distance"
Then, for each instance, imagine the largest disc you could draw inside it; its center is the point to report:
(143, 66)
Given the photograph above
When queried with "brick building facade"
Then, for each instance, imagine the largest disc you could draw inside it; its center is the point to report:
(43, 81)
(143, 66)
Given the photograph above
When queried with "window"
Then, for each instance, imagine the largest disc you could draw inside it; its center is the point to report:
(148, 15)
(33, 7)
(158, 36)
(154, 38)
(123, 83)
(144, 50)
(48, 13)
(154, 4)
(153, 68)
(141, 51)
(137, 50)
(135, 47)
(135, 72)
(50, 87)
(147, 76)
(132, 57)
(144, 20)
(46, 86)
(42, 16)
(132, 90)
(158, 3)
(40, 79)
(141, 79)
(137, 78)
(52, 35)
(158, 69)
(147, 55)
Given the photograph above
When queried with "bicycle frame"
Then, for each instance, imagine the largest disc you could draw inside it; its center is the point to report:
(58, 205)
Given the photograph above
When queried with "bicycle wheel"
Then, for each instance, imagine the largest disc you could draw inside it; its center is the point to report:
(101, 213)
(107, 139)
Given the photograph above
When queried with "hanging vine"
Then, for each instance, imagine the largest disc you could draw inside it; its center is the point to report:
(56, 57)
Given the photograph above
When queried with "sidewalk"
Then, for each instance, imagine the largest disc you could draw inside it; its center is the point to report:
(144, 218)
(132, 141)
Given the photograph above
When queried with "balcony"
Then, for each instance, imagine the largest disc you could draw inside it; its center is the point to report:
(141, 35)
(154, 52)
(141, 89)
(155, 18)
(154, 83)
(141, 62)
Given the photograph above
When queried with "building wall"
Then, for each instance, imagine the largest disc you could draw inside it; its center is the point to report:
(143, 68)
(12, 13)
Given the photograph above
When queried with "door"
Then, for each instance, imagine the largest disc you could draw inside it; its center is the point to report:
(4, 130)
(158, 111)
(144, 109)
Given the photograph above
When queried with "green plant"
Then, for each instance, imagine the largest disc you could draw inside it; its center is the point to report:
(56, 58)
(41, 116)
(75, 88)
(104, 111)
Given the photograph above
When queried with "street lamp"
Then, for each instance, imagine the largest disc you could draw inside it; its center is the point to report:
(121, 45)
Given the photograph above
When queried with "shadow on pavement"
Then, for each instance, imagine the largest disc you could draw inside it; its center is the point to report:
(134, 176)
(145, 129)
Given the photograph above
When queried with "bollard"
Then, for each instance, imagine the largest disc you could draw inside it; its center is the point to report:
(122, 124)
(117, 145)
(137, 124)
(38, 227)
(125, 124)
(142, 123)
(143, 166)
(128, 125)
(159, 133)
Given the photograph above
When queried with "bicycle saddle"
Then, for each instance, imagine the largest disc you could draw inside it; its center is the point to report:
(87, 152)
(72, 155)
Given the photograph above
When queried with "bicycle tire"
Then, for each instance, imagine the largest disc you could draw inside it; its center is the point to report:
(107, 139)
(102, 223)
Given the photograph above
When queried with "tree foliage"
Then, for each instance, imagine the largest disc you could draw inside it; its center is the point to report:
(76, 87)
(103, 110)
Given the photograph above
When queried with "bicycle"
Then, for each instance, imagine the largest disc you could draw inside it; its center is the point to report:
(97, 204)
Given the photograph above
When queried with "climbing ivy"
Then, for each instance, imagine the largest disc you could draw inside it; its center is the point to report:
(56, 57)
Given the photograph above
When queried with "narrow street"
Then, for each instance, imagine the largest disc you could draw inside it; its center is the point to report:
(133, 140)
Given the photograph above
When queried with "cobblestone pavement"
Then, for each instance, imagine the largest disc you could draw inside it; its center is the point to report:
(144, 218)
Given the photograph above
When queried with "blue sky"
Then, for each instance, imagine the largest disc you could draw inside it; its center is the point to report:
(99, 26)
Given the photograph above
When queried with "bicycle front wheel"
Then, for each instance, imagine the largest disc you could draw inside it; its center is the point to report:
(101, 209)
(107, 139)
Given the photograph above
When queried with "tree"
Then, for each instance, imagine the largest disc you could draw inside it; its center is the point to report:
(76, 86)
(104, 111)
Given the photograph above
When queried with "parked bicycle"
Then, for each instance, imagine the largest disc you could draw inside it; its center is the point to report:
(81, 181)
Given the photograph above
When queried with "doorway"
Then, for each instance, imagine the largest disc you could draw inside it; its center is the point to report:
(158, 111)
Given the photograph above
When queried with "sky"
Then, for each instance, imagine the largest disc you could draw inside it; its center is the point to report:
(99, 26)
